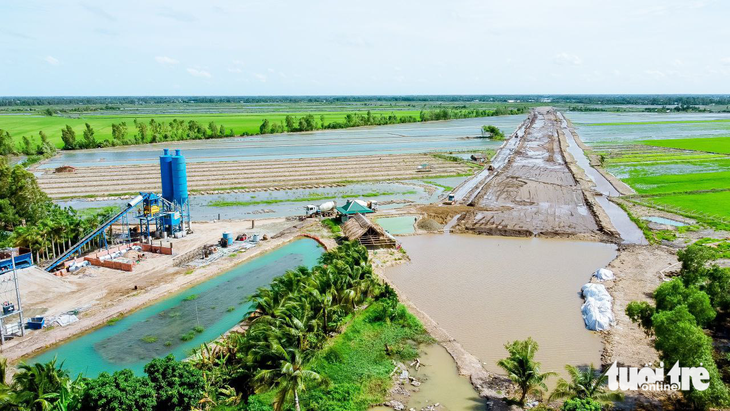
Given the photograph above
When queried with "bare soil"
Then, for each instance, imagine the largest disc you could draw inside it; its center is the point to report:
(248, 175)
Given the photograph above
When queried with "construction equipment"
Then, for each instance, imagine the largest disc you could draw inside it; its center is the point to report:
(373, 205)
(324, 209)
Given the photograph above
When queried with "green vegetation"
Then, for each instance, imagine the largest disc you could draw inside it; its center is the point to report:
(586, 384)
(713, 203)
(719, 145)
(492, 132)
(523, 370)
(191, 297)
(674, 183)
(433, 183)
(653, 237)
(149, 339)
(114, 320)
(198, 329)
(684, 307)
(90, 131)
(28, 218)
(333, 224)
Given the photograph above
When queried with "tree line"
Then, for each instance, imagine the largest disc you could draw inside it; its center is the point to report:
(28, 218)
(310, 122)
(687, 311)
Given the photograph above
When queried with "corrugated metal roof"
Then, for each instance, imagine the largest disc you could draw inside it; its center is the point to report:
(352, 207)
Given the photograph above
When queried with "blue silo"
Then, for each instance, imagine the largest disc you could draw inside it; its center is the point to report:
(166, 175)
(179, 179)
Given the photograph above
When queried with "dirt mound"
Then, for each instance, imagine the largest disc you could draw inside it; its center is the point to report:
(428, 224)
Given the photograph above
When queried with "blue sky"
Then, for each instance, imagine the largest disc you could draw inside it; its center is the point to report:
(363, 47)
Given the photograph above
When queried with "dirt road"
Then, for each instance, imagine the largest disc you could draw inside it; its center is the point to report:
(251, 175)
(535, 192)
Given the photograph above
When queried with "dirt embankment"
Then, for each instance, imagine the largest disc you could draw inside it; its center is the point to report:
(248, 175)
(536, 192)
(489, 385)
(103, 293)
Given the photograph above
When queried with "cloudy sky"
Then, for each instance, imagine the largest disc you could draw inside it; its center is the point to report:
(246, 47)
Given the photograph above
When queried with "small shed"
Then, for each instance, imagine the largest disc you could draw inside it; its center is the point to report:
(352, 208)
(65, 169)
(479, 158)
(367, 233)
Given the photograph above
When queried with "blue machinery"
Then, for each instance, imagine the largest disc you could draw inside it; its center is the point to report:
(158, 216)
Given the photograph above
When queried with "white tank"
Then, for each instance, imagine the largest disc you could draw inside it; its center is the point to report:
(362, 203)
(328, 206)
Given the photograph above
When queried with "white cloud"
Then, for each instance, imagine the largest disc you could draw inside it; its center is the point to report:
(261, 77)
(235, 70)
(51, 60)
(567, 59)
(726, 60)
(199, 73)
(166, 60)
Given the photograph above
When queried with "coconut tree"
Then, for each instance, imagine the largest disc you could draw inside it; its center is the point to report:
(523, 370)
(288, 377)
(585, 382)
(45, 386)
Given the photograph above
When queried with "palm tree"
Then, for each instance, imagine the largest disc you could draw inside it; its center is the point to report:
(523, 370)
(585, 382)
(288, 378)
(45, 386)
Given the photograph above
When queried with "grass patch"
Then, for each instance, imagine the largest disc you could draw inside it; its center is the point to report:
(187, 336)
(674, 183)
(715, 204)
(149, 339)
(198, 329)
(230, 309)
(333, 225)
(114, 320)
(191, 297)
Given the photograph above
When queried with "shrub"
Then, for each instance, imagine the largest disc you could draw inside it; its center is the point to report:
(578, 404)
(121, 391)
(179, 386)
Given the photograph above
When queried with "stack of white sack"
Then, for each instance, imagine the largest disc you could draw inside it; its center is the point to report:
(597, 312)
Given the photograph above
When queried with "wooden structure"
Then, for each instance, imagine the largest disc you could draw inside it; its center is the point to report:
(369, 234)
(479, 158)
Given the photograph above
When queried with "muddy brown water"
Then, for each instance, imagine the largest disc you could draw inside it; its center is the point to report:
(487, 291)
(440, 384)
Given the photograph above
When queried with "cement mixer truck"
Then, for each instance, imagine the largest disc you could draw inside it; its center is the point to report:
(325, 209)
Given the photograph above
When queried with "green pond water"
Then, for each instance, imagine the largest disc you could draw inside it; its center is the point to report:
(169, 326)
(397, 225)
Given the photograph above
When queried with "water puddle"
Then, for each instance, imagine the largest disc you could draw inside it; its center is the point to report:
(440, 383)
(398, 225)
(180, 323)
(487, 291)
(665, 221)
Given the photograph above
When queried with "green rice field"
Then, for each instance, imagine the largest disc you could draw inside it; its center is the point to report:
(241, 123)
(719, 145)
(681, 165)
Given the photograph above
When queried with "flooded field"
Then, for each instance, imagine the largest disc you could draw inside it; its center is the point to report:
(618, 127)
(285, 203)
(182, 322)
(391, 139)
(493, 290)
(398, 225)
